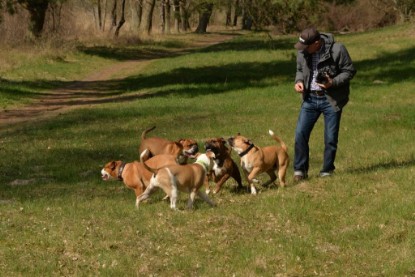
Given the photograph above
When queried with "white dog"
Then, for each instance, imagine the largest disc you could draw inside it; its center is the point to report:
(186, 178)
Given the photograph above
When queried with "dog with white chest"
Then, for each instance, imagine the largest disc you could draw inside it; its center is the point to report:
(224, 167)
(134, 175)
(256, 160)
(186, 178)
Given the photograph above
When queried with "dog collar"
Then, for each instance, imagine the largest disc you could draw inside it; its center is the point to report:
(120, 171)
(246, 150)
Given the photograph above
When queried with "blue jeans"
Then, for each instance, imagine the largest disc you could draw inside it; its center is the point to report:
(311, 109)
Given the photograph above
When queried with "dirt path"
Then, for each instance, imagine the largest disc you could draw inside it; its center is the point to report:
(89, 91)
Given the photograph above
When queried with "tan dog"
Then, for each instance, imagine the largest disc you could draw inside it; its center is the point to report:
(224, 167)
(256, 160)
(186, 178)
(182, 148)
(134, 175)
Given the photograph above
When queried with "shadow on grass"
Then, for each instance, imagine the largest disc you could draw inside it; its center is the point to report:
(135, 53)
(194, 82)
(391, 67)
(393, 164)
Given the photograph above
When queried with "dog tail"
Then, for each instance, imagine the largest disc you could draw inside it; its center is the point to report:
(277, 139)
(143, 161)
(144, 133)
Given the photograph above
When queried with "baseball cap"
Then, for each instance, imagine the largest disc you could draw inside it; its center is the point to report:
(307, 37)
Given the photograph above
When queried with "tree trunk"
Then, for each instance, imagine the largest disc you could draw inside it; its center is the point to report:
(162, 16)
(136, 13)
(246, 16)
(228, 13)
(37, 10)
(147, 19)
(205, 11)
(122, 20)
(176, 5)
(99, 14)
(184, 16)
(56, 14)
(105, 15)
(237, 13)
(168, 17)
(114, 14)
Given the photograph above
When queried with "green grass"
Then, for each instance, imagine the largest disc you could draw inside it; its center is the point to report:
(57, 217)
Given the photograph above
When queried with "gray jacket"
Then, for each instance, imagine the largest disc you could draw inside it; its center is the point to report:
(337, 61)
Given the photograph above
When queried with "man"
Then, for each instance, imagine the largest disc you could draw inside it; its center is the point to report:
(324, 70)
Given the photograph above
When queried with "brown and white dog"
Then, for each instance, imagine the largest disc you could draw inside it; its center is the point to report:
(186, 178)
(256, 160)
(224, 167)
(134, 175)
(182, 149)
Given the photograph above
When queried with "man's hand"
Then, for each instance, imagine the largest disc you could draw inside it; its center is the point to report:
(327, 84)
(299, 87)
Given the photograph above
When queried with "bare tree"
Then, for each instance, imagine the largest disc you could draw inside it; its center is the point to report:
(122, 19)
(228, 9)
(114, 14)
(176, 9)
(237, 13)
(167, 16)
(99, 14)
(136, 7)
(147, 19)
(205, 10)
(56, 13)
(246, 15)
(37, 10)
(184, 14)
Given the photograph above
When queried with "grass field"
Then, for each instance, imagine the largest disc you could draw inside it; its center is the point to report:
(59, 218)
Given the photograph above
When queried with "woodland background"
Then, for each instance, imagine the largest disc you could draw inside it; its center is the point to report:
(25, 21)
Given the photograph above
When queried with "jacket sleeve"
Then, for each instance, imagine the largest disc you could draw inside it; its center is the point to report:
(299, 75)
(345, 65)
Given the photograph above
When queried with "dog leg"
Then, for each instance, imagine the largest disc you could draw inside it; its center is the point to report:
(251, 179)
(191, 199)
(145, 195)
(272, 177)
(237, 176)
(207, 188)
(219, 184)
(174, 191)
(204, 196)
(281, 173)
(173, 197)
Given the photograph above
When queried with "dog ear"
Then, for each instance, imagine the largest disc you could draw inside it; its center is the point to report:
(238, 134)
(113, 165)
(223, 140)
(247, 141)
